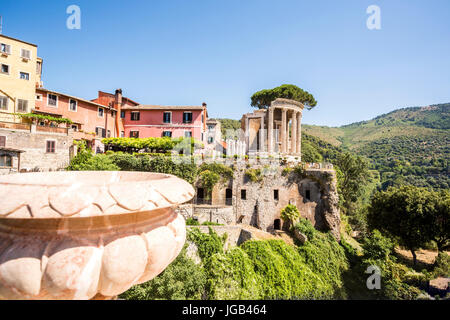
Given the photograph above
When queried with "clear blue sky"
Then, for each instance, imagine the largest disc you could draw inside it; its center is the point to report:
(221, 52)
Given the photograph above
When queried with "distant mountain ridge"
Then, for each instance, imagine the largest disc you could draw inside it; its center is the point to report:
(435, 116)
(408, 145)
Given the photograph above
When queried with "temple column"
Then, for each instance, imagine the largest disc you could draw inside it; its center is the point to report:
(283, 131)
(299, 133)
(294, 133)
(270, 132)
(247, 134)
(261, 136)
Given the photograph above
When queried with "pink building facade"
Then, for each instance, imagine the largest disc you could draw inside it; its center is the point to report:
(111, 115)
(158, 121)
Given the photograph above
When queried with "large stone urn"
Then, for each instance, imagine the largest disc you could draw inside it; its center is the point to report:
(87, 235)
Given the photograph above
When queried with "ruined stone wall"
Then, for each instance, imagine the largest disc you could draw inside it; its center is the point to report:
(34, 145)
(218, 214)
(314, 193)
(218, 195)
(261, 208)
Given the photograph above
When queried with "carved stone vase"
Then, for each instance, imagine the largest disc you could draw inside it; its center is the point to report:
(87, 234)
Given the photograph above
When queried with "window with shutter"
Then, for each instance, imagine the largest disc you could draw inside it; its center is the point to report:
(3, 103)
(134, 134)
(52, 100)
(100, 132)
(5, 161)
(5, 48)
(22, 105)
(72, 105)
(187, 117)
(25, 54)
(24, 76)
(135, 116)
(51, 146)
(167, 117)
(4, 69)
(2, 141)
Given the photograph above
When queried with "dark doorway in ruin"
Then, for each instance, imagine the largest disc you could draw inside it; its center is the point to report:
(276, 195)
(277, 224)
(200, 195)
(228, 197)
(308, 194)
(254, 220)
(257, 140)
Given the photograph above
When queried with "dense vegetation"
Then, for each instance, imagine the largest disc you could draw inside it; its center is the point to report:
(85, 160)
(265, 269)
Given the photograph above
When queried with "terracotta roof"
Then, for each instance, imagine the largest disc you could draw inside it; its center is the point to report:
(123, 98)
(155, 107)
(73, 97)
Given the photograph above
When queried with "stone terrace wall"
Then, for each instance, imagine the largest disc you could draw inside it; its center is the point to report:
(217, 214)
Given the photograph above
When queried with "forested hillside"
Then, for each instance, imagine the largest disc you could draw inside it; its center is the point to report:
(407, 146)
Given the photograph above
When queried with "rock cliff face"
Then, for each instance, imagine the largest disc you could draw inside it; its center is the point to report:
(329, 200)
(259, 202)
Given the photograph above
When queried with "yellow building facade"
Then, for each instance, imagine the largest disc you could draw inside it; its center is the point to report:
(20, 74)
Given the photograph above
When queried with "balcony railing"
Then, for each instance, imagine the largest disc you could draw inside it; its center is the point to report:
(51, 129)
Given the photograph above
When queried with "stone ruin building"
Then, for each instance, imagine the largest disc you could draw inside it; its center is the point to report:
(272, 140)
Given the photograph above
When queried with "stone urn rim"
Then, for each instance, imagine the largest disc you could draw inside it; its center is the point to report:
(73, 194)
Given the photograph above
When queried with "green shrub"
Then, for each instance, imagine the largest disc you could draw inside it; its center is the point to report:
(83, 155)
(290, 213)
(324, 256)
(98, 162)
(181, 280)
(441, 267)
(286, 171)
(192, 222)
(254, 175)
(207, 244)
(394, 276)
(377, 246)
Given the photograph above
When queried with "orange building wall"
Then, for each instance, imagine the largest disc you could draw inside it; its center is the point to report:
(86, 116)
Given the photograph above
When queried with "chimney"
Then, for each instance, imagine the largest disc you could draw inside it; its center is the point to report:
(118, 107)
